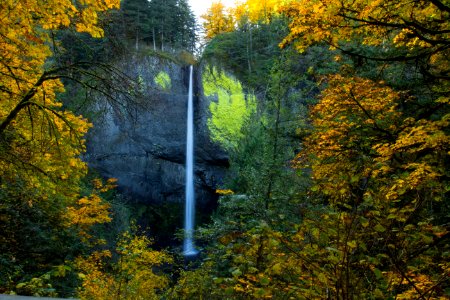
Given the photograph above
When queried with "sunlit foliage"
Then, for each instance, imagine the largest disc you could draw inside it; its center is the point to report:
(163, 80)
(232, 109)
(404, 30)
(374, 224)
(383, 177)
(131, 276)
(348, 201)
(40, 142)
(90, 210)
(217, 20)
(258, 10)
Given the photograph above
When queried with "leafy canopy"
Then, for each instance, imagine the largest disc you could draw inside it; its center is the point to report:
(40, 142)
(374, 225)
(404, 30)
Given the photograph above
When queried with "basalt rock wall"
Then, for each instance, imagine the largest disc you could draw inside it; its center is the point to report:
(140, 139)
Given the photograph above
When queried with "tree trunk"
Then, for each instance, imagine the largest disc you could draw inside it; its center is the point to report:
(154, 40)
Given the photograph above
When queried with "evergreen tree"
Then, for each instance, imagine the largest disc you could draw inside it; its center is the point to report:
(185, 26)
(172, 23)
(136, 22)
(160, 23)
(162, 17)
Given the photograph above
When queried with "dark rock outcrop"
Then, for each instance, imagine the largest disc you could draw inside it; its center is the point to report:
(142, 142)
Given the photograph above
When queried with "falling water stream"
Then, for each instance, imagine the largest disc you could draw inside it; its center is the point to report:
(188, 247)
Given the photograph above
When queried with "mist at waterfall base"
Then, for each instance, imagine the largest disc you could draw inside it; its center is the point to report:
(189, 218)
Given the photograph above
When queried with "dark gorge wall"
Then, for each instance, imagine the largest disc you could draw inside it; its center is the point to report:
(140, 138)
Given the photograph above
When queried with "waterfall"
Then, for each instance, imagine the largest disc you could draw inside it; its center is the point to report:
(188, 248)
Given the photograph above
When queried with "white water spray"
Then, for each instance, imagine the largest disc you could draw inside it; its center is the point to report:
(188, 247)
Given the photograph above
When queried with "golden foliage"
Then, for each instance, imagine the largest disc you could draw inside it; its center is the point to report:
(40, 142)
(224, 192)
(132, 276)
(415, 24)
(90, 210)
(361, 135)
(217, 20)
(378, 170)
(257, 10)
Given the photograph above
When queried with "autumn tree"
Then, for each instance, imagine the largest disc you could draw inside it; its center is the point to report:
(40, 142)
(381, 175)
(131, 276)
(378, 155)
(258, 11)
(372, 225)
(37, 137)
(401, 30)
(217, 20)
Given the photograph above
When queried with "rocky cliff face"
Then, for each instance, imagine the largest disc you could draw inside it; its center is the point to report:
(142, 142)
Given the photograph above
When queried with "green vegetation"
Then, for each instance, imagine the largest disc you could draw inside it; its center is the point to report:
(232, 109)
(340, 179)
(163, 24)
(163, 81)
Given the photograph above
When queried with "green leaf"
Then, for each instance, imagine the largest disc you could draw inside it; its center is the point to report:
(352, 244)
(277, 269)
(354, 179)
(427, 239)
(378, 273)
(229, 291)
(236, 273)
(322, 277)
(379, 228)
(20, 285)
(264, 281)
(217, 280)
(378, 294)
(364, 222)
(332, 249)
(409, 227)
